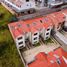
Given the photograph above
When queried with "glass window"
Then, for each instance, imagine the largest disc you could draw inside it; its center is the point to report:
(20, 43)
(41, 21)
(35, 34)
(27, 0)
(58, 61)
(19, 38)
(47, 33)
(48, 29)
(46, 37)
(35, 38)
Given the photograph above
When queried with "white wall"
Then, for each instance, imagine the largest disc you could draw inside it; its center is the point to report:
(32, 36)
(20, 40)
(46, 31)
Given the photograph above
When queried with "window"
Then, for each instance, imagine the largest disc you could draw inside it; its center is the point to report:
(35, 34)
(35, 42)
(58, 61)
(19, 25)
(19, 38)
(46, 37)
(34, 23)
(46, 19)
(27, 0)
(47, 33)
(48, 29)
(41, 21)
(20, 43)
(35, 38)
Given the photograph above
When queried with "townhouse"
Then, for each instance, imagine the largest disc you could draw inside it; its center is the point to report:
(65, 23)
(17, 34)
(45, 27)
(57, 19)
(34, 28)
(56, 58)
(30, 30)
(33, 34)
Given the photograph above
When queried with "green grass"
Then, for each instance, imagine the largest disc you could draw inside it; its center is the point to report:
(6, 15)
(9, 56)
(8, 53)
(37, 44)
(48, 41)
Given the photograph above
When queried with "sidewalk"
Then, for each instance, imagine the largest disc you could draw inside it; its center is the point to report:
(30, 54)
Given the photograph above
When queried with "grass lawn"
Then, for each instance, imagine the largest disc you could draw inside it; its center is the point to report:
(6, 15)
(37, 44)
(8, 53)
(48, 41)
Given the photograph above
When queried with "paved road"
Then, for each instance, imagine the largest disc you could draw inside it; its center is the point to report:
(38, 13)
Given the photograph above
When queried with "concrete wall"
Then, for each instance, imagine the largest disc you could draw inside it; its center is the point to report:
(61, 39)
(20, 41)
(46, 33)
(33, 36)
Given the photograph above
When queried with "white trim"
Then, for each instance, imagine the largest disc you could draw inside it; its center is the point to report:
(64, 59)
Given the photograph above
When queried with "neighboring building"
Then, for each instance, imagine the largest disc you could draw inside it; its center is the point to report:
(53, 3)
(57, 19)
(65, 23)
(57, 58)
(65, 1)
(20, 5)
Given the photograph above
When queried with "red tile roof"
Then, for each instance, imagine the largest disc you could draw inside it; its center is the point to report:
(56, 17)
(59, 16)
(37, 24)
(49, 60)
(14, 29)
(64, 11)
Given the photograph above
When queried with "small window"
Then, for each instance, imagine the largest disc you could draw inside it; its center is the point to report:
(41, 21)
(35, 34)
(19, 38)
(34, 23)
(58, 61)
(35, 42)
(19, 25)
(48, 29)
(27, 0)
(46, 19)
(46, 37)
(47, 33)
(20, 43)
(35, 38)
